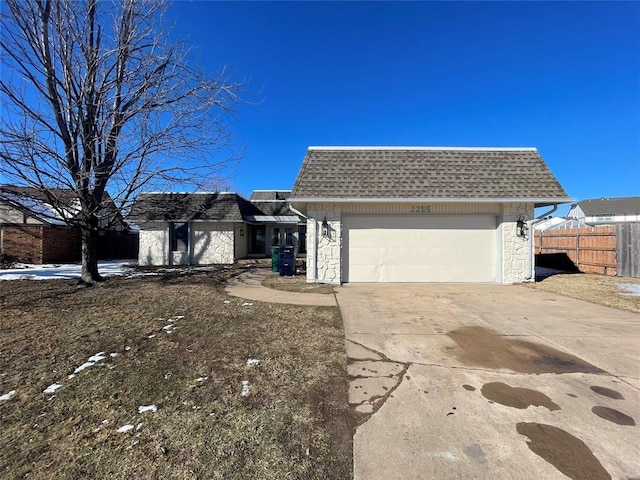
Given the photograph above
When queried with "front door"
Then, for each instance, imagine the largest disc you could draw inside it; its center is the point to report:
(257, 239)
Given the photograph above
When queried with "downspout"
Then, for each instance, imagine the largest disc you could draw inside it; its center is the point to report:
(315, 238)
(530, 256)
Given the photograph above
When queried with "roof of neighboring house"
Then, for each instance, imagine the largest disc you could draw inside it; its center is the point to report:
(356, 173)
(611, 206)
(177, 207)
(35, 202)
(272, 195)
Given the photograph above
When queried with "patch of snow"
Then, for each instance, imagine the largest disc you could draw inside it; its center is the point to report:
(630, 289)
(227, 301)
(104, 422)
(108, 268)
(253, 362)
(127, 348)
(52, 388)
(113, 355)
(91, 361)
(201, 379)
(125, 428)
(544, 272)
(147, 408)
(71, 375)
(152, 335)
(139, 426)
(7, 396)
(245, 388)
(97, 357)
(247, 304)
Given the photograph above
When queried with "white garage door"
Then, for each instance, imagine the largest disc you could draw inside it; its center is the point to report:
(419, 249)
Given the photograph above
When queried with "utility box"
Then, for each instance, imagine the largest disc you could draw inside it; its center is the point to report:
(275, 259)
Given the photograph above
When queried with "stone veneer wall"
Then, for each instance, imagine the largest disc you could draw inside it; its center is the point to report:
(154, 244)
(324, 262)
(212, 242)
(514, 248)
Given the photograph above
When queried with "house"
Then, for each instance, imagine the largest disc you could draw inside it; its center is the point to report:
(276, 225)
(422, 214)
(606, 211)
(556, 223)
(212, 228)
(32, 230)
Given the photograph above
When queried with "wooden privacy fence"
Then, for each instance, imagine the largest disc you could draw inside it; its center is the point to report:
(608, 249)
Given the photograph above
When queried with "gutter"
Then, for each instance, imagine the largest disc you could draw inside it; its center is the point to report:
(537, 201)
(530, 256)
(315, 247)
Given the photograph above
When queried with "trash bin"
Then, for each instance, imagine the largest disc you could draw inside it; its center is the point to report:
(275, 259)
(286, 261)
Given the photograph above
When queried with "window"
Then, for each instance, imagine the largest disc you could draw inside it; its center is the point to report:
(288, 236)
(604, 217)
(275, 236)
(179, 237)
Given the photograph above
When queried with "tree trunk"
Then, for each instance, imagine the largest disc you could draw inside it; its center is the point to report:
(90, 273)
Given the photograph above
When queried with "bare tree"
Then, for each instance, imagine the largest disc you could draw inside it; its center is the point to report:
(96, 95)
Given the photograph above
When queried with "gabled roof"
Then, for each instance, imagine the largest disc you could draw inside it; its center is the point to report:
(426, 173)
(36, 204)
(182, 207)
(269, 195)
(611, 206)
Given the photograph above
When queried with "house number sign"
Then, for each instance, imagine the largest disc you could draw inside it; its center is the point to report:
(420, 209)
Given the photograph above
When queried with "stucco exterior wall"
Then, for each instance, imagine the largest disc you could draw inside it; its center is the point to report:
(324, 253)
(514, 249)
(241, 240)
(212, 242)
(154, 244)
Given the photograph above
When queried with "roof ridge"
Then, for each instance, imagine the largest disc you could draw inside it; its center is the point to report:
(499, 149)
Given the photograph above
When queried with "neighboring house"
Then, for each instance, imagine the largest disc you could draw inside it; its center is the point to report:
(426, 214)
(557, 223)
(602, 211)
(33, 231)
(211, 228)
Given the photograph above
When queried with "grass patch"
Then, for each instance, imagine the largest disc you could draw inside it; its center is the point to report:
(295, 284)
(598, 289)
(293, 424)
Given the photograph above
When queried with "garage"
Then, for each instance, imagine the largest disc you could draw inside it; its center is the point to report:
(390, 248)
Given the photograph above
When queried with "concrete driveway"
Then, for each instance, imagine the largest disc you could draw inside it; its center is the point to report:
(490, 382)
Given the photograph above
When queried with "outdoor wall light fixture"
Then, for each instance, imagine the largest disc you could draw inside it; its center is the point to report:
(325, 227)
(521, 227)
(241, 232)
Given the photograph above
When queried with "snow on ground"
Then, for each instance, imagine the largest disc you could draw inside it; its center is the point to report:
(630, 288)
(125, 428)
(147, 408)
(91, 361)
(253, 362)
(52, 388)
(245, 388)
(25, 271)
(544, 272)
(7, 396)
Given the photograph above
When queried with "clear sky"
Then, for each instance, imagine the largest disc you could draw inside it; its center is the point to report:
(562, 77)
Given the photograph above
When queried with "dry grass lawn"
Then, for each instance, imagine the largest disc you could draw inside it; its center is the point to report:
(296, 283)
(598, 289)
(294, 423)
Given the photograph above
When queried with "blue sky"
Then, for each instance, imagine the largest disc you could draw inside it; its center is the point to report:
(562, 77)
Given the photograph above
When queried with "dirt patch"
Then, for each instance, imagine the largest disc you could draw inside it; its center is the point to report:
(607, 392)
(613, 416)
(483, 347)
(598, 289)
(516, 397)
(181, 344)
(469, 388)
(295, 284)
(565, 452)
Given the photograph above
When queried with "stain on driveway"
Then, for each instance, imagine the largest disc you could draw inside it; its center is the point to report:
(479, 363)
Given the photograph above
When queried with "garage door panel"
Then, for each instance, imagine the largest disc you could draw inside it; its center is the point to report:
(419, 249)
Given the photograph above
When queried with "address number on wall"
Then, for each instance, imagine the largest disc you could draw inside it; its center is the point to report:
(420, 209)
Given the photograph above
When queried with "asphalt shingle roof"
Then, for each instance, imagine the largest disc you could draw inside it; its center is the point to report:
(397, 172)
(258, 195)
(191, 206)
(611, 206)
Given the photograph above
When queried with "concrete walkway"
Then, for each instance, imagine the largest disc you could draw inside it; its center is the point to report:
(248, 285)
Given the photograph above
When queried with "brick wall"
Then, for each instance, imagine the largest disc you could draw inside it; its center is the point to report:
(40, 244)
(61, 244)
